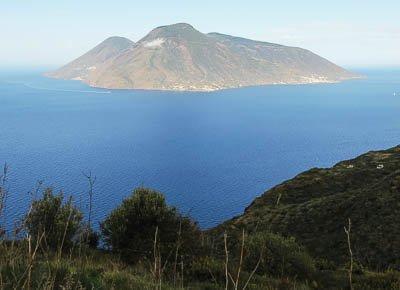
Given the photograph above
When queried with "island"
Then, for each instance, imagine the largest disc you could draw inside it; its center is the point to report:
(180, 58)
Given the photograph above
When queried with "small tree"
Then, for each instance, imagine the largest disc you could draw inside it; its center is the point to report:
(131, 227)
(58, 221)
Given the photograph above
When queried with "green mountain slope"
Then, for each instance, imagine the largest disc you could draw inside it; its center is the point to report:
(315, 206)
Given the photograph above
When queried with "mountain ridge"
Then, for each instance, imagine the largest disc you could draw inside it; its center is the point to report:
(179, 57)
(83, 66)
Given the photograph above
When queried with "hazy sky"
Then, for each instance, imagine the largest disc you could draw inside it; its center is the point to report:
(349, 33)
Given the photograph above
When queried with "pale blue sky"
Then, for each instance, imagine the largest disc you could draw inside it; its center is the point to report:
(350, 33)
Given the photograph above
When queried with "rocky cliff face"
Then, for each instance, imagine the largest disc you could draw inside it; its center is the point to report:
(178, 57)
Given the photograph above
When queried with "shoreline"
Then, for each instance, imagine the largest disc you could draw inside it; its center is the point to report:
(210, 90)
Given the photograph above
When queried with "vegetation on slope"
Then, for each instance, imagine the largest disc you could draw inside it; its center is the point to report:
(314, 206)
(292, 237)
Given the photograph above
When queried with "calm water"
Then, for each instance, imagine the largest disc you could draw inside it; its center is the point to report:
(210, 153)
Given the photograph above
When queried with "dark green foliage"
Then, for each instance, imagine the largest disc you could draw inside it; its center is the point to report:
(280, 257)
(52, 221)
(130, 229)
(270, 256)
(315, 206)
(304, 215)
(207, 268)
(90, 238)
(372, 281)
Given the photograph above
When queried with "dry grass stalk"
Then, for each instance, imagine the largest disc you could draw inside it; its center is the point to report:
(91, 180)
(65, 230)
(157, 269)
(240, 262)
(253, 272)
(178, 245)
(236, 281)
(226, 261)
(182, 272)
(3, 196)
(31, 260)
(350, 270)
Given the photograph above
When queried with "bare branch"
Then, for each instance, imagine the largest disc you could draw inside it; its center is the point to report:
(350, 270)
(91, 180)
(253, 272)
(226, 261)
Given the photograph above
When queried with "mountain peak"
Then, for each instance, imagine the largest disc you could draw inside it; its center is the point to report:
(117, 39)
(178, 30)
(118, 42)
(177, 26)
(82, 67)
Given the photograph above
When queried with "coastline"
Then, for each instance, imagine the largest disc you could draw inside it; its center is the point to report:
(191, 89)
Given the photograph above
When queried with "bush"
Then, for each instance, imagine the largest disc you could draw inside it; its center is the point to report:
(52, 221)
(370, 280)
(280, 257)
(130, 228)
(89, 237)
(207, 268)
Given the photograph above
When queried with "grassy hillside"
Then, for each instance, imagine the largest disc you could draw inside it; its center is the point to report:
(314, 207)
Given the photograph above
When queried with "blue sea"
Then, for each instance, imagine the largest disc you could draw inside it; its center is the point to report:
(211, 154)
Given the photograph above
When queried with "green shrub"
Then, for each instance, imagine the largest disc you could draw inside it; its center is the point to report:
(89, 237)
(130, 228)
(52, 221)
(207, 269)
(280, 257)
(371, 280)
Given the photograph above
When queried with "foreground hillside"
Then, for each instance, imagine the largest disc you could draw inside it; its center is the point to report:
(292, 237)
(179, 57)
(314, 207)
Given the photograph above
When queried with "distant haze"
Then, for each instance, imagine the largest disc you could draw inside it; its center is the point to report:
(349, 33)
